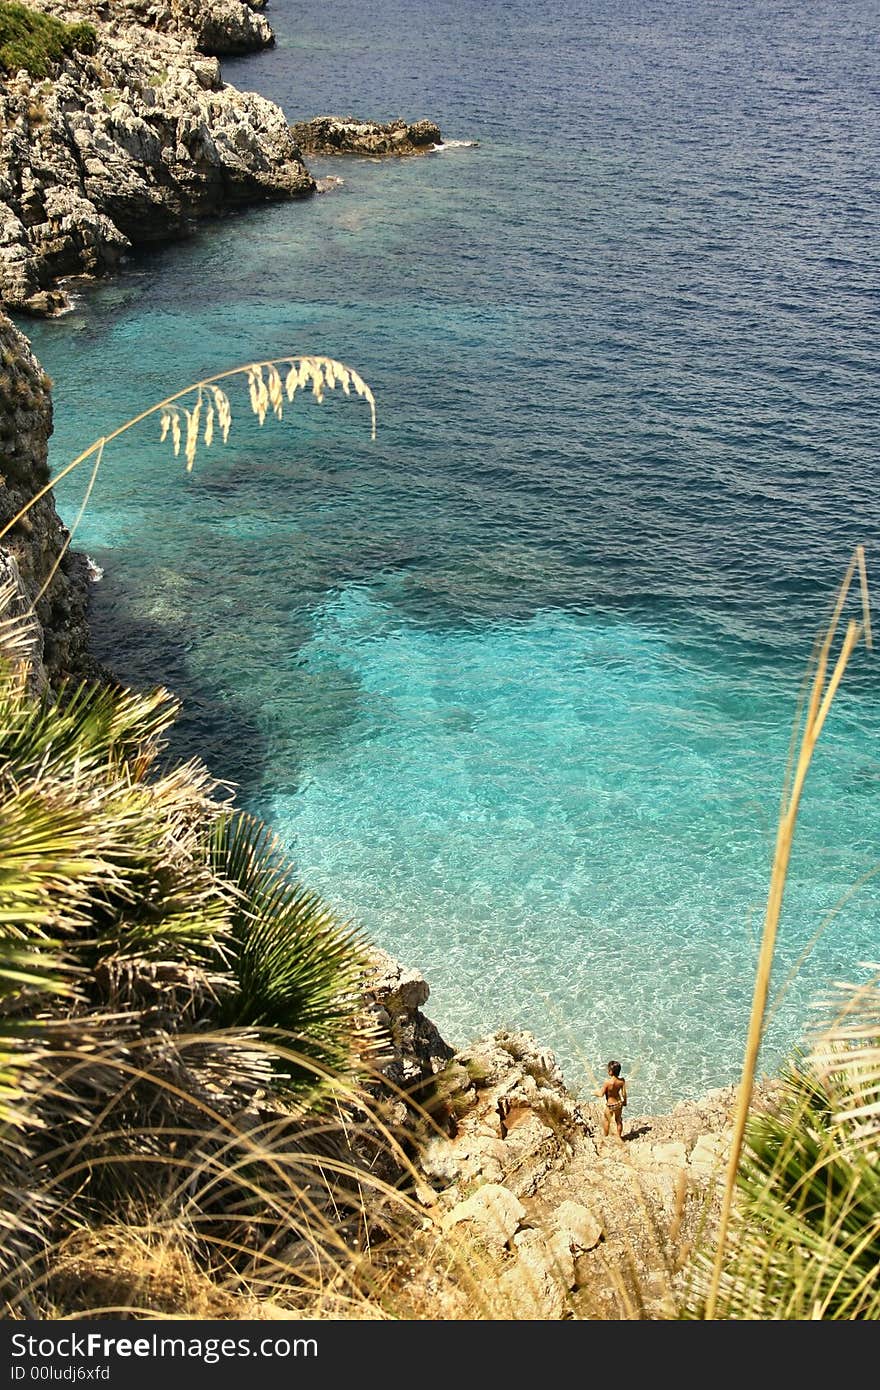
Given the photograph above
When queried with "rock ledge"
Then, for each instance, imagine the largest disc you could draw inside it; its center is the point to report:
(326, 135)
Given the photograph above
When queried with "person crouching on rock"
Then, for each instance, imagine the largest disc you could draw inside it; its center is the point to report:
(613, 1088)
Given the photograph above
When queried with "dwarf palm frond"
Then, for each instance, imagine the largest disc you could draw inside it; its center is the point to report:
(147, 938)
(846, 1057)
(295, 964)
(806, 1234)
(89, 842)
(110, 917)
(97, 725)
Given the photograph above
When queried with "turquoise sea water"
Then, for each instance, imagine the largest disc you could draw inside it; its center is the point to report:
(516, 681)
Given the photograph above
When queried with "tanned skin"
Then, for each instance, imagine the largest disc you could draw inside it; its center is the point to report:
(613, 1089)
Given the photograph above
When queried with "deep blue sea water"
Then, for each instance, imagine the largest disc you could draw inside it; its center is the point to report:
(516, 681)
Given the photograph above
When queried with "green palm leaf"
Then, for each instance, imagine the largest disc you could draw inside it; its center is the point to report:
(296, 965)
(806, 1229)
(88, 723)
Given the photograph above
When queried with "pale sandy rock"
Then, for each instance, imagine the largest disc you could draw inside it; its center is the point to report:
(397, 988)
(492, 1213)
(477, 1158)
(667, 1191)
(534, 1287)
(658, 1156)
(710, 1152)
(578, 1226)
(441, 1161)
(412, 1048)
(561, 1258)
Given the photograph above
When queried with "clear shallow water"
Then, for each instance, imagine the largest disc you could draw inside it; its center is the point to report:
(516, 681)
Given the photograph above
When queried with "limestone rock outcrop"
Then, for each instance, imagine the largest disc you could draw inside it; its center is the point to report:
(127, 147)
(324, 135)
(30, 549)
(411, 1049)
(217, 27)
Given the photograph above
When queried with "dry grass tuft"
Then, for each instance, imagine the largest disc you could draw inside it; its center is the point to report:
(823, 684)
(129, 1271)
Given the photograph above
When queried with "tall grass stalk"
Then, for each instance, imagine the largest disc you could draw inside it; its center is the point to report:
(823, 681)
(211, 413)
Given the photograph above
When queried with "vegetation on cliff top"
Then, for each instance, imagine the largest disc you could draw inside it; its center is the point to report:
(174, 1005)
(805, 1242)
(36, 42)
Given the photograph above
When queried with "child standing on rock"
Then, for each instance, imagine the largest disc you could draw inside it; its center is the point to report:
(613, 1088)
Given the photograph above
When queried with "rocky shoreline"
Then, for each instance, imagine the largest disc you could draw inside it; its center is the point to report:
(132, 144)
(555, 1220)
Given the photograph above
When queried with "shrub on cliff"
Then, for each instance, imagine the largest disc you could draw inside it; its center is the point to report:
(146, 939)
(805, 1242)
(36, 42)
(176, 1011)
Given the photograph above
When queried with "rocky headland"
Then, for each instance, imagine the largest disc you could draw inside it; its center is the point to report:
(130, 137)
(133, 143)
(218, 27)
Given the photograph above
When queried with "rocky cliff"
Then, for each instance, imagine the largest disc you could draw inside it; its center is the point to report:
(218, 27)
(30, 549)
(132, 144)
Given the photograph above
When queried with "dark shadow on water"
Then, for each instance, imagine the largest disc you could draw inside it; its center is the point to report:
(143, 653)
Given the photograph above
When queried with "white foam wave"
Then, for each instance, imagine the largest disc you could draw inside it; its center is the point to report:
(454, 145)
